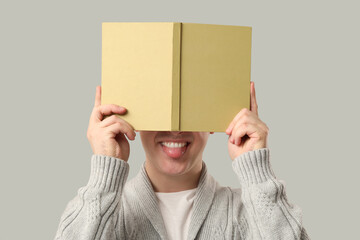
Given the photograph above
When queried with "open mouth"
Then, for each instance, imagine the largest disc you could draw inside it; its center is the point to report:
(175, 150)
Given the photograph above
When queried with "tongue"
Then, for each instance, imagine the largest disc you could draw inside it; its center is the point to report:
(174, 152)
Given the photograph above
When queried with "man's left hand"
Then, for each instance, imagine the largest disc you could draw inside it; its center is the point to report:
(246, 131)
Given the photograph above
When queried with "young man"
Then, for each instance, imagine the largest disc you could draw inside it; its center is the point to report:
(173, 196)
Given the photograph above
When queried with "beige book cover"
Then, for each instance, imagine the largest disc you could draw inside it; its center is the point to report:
(174, 76)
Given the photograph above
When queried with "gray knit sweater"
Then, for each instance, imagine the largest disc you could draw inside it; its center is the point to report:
(109, 207)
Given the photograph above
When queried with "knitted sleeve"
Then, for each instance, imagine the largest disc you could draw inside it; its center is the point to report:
(95, 212)
(262, 210)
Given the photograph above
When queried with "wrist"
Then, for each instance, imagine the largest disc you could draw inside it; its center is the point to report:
(253, 167)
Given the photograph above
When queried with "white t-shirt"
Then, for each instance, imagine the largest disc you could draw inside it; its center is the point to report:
(176, 209)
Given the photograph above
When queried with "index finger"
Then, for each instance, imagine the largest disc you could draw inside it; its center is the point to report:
(98, 96)
(253, 103)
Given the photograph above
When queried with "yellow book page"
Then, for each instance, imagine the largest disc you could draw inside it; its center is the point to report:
(137, 72)
(215, 75)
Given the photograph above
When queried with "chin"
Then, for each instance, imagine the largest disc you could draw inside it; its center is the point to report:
(172, 167)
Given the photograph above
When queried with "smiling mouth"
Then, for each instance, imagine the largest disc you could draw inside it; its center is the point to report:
(174, 149)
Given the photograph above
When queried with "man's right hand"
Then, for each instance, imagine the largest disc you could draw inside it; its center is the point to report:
(106, 136)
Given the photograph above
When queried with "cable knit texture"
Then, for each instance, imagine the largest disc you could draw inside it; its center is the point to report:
(109, 207)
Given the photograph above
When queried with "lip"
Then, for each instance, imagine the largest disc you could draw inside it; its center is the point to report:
(188, 145)
(175, 140)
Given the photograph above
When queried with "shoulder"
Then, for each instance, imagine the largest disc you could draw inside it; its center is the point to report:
(225, 193)
(129, 194)
(228, 201)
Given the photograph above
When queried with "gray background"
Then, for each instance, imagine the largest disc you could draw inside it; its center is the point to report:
(305, 60)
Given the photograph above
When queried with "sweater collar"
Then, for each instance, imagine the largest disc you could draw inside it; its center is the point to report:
(148, 201)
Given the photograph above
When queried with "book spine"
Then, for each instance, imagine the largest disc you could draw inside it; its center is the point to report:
(175, 108)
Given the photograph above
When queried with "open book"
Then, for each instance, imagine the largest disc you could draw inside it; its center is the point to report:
(175, 76)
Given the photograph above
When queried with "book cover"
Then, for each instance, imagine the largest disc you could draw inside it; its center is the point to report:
(175, 76)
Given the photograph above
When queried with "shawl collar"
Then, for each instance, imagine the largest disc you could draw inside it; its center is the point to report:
(148, 201)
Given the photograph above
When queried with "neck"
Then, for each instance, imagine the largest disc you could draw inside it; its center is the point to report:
(169, 183)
